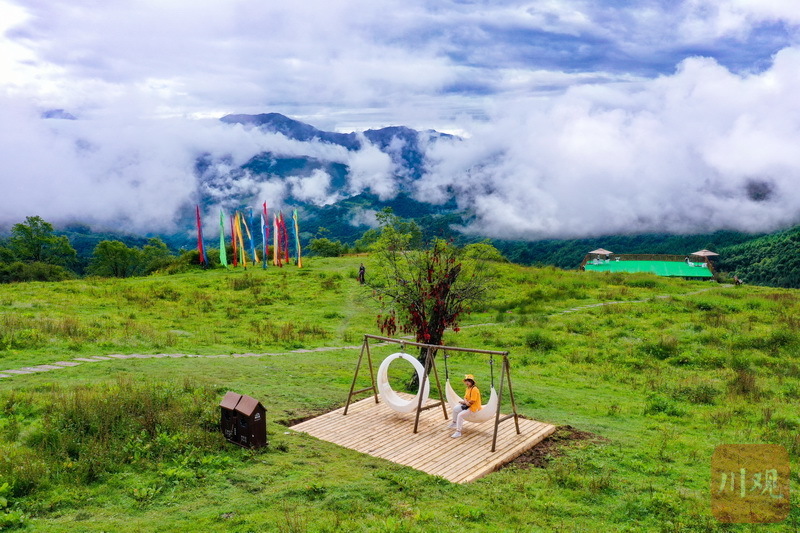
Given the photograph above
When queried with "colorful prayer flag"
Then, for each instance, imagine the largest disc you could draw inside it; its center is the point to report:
(223, 255)
(284, 237)
(250, 239)
(201, 250)
(276, 245)
(265, 233)
(297, 239)
(242, 254)
(233, 242)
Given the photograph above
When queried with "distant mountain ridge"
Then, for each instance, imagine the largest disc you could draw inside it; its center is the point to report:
(293, 129)
(324, 190)
(409, 157)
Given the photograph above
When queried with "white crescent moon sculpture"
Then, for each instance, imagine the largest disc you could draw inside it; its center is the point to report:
(476, 417)
(390, 396)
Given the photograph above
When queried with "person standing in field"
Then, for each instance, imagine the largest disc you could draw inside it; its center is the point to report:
(362, 274)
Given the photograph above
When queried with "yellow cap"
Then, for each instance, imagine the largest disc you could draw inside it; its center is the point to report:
(469, 376)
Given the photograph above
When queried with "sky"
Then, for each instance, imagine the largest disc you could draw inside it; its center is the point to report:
(576, 118)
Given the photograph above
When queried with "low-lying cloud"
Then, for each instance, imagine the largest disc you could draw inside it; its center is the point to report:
(702, 149)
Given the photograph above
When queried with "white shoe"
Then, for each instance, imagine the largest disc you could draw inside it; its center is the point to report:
(452, 425)
(456, 434)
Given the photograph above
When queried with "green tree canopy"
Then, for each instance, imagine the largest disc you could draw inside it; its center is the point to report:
(485, 251)
(6, 255)
(34, 241)
(115, 259)
(155, 256)
(325, 247)
(395, 233)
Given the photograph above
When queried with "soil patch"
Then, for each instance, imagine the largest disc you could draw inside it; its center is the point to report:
(295, 417)
(555, 445)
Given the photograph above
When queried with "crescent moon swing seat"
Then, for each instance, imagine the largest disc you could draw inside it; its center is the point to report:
(389, 396)
(487, 412)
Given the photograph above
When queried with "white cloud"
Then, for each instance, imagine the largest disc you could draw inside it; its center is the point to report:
(314, 188)
(705, 20)
(682, 153)
(574, 122)
(372, 170)
(364, 217)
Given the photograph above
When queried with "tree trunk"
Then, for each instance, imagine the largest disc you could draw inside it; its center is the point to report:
(413, 383)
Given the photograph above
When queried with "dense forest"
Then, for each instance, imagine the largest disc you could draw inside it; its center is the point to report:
(772, 260)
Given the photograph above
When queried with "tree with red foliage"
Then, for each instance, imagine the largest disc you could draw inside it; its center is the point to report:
(426, 290)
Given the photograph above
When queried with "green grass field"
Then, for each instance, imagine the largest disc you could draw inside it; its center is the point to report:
(660, 376)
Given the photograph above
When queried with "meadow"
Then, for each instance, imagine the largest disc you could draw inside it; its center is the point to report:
(652, 381)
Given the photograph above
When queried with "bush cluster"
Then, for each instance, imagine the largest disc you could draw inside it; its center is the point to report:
(81, 434)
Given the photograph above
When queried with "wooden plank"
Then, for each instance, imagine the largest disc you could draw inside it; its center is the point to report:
(491, 468)
(514, 451)
(477, 457)
(437, 442)
(462, 455)
(466, 470)
(381, 432)
(379, 416)
(490, 465)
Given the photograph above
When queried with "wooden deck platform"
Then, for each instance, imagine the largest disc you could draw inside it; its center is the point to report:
(377, 430)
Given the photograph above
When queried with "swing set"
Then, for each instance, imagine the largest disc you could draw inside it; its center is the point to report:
(447, 396)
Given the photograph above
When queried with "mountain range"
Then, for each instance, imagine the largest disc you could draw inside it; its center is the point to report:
(325, 186)
(339, 181)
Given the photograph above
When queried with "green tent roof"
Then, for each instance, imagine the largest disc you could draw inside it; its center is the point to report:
(661, 268)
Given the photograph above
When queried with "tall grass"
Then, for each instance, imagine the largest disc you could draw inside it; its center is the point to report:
(84, 433)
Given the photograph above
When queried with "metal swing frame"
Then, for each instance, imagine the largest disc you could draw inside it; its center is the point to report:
(430, 365)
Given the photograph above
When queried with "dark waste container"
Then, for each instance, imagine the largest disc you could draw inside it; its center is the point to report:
(228, 423)
(251, 423)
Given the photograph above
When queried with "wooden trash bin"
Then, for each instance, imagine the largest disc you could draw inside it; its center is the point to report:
(251, 423)
(228, 423)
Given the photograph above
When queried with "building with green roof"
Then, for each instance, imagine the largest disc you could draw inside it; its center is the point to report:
(693, 266)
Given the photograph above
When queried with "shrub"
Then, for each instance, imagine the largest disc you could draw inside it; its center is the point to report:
(540, 342)
(666, 346)
(245, 282)
(642, 283)
(20, 272)
(484, 251)
(659, 404)
(89, 431)
(744, 383)
(785, 423)
(774, 342)
(325, 247)
(287, 333)
(703, 393)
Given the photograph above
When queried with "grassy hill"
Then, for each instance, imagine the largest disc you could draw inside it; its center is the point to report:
(652, 382)
(771, 260)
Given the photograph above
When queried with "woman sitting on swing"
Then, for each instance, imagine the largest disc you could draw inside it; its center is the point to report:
(470, 404)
